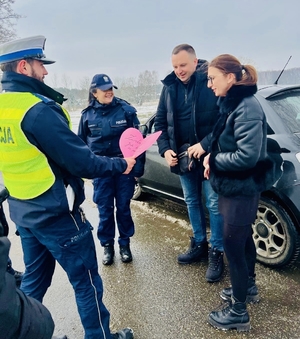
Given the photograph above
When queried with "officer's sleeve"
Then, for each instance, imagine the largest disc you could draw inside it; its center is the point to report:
(46, 127)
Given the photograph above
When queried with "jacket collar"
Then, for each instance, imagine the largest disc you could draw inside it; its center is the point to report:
(234, 96)
(95, 106)
(15, 82)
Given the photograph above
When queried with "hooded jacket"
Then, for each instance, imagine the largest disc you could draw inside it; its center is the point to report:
(203, 116)
(46, 127)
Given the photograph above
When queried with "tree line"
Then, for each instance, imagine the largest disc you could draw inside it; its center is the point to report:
(146, 87)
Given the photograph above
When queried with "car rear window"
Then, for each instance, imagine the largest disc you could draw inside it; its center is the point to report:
(287, 106)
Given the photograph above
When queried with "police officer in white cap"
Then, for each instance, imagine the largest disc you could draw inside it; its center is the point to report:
(41, 159)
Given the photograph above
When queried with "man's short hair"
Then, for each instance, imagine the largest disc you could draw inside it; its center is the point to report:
(12, 66)
(184, 47)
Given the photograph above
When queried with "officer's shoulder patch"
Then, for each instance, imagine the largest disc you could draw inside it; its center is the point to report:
(126, 106)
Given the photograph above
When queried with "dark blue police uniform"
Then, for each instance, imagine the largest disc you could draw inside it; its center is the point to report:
(100, 128)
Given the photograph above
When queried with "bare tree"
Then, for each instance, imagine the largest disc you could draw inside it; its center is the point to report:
(126, 89)
(84, 83)
(7, 21)
(146, 88)
(138, 90)
(54, 80)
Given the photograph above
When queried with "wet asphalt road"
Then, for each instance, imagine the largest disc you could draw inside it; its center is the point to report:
(160, 299)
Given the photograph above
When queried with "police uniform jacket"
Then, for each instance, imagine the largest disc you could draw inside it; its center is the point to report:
(101, 127)
(46, 127)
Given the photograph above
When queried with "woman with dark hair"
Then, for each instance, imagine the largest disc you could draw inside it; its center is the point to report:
(101, 125)
(239, 169)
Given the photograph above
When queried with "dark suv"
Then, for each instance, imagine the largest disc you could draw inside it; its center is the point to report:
(277, 226)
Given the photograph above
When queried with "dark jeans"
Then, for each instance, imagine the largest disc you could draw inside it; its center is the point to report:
(112, 193)
(239, 213)
(192, 185)
(70, 242)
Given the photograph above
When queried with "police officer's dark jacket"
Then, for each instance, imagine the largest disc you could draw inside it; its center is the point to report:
(203, 116)
(101, 126)
(46, 127)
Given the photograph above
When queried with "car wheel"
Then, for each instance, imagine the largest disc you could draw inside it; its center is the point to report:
(137, 194)
(275, 235)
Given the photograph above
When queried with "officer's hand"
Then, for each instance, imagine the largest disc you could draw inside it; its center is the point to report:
(171, 158)
(130, 163)
(196, 151)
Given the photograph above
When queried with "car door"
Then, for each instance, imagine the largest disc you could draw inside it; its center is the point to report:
(157, 177)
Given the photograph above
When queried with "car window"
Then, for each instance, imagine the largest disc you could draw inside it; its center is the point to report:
(287, 106)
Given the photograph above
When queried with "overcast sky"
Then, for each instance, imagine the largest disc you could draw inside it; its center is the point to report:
(125, 37)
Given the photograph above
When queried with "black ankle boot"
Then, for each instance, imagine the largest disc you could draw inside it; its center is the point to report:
(195, 253)
(108, 256)
(126, 333)
(252, 292)
(233, 316)
(215, 265)
(125, 253)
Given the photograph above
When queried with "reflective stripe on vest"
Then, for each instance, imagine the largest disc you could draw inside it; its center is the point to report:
(26, 171)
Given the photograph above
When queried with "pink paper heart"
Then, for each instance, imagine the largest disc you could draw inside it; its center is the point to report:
(146, 143)
(130, 140)
(132, 143)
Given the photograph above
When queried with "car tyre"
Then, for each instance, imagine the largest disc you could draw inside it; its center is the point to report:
(275, 235)
(137, 194)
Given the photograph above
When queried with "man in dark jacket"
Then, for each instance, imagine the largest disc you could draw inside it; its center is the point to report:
(186, 114)
(42, 162)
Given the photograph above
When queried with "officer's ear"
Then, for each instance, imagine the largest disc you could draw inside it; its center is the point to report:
(23, 67)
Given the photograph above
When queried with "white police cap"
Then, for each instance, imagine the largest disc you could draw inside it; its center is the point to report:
(32, 47)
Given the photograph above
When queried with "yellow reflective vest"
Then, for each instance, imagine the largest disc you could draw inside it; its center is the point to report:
(25, 169)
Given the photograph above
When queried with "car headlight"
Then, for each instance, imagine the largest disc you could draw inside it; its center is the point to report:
(298, 156)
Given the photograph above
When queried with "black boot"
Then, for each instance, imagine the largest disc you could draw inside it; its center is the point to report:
(215, 265)
(18, 275)
(233, 316)
(252, 292)
(195, 253)
(108, 256)
(126, 333)
(125, 253)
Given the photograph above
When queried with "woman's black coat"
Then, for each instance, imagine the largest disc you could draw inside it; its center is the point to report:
(239, 161)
